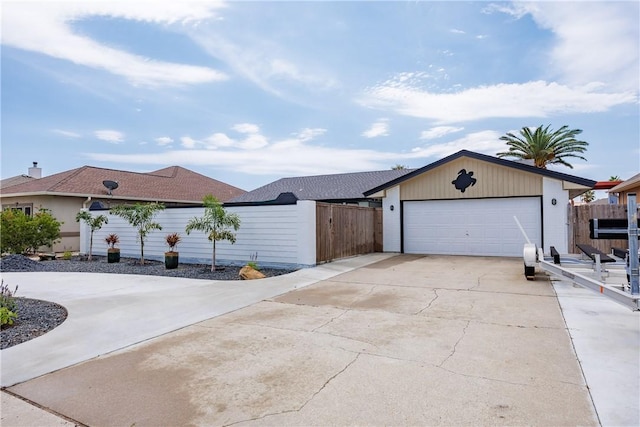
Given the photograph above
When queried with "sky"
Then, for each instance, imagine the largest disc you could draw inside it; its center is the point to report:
(251, 92)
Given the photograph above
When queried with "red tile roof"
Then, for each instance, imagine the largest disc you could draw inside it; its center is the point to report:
(169, 184)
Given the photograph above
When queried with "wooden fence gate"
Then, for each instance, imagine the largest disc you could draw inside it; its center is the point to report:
(347, 230)
(579, 217)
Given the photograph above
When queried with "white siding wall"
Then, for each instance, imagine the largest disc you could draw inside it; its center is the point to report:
(281, 236)
(391, 220)
(554, 217)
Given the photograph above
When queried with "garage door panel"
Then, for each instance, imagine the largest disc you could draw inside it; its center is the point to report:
(471, 227)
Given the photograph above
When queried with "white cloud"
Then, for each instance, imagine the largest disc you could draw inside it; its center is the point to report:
(595, 41)
(299, 155)
(246, 128)
(112, 136)
(456, 31)
(218, 140)
(531, 99)
(307, 134)
(379, 128)
(487, 142)
(252, 141)
(263, 62)
(50, 33)
(439, 131)
(188, 142)
(164, 140)
(66, 133)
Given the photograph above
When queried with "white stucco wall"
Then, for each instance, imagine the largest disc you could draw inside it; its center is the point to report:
(391, 220)
(281, 236)
(554, 217)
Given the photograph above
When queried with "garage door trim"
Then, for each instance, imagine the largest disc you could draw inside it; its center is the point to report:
(402, 213)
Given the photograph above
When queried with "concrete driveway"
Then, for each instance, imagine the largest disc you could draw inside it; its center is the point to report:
(406, 340)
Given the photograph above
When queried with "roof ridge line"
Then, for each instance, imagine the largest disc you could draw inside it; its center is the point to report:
(73, 173)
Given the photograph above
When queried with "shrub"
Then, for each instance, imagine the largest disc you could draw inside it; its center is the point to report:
(8, 306)
(253, 263)
(7, 317)
(20, 233)
(67, 255)
(111, 240)
(172, 240)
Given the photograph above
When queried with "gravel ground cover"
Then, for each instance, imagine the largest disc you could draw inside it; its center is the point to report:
(37, 317)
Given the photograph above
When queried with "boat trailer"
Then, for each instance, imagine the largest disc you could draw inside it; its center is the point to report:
(619, 281)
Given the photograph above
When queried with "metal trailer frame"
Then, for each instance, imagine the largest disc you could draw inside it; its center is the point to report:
(616, 293)
(611, 291)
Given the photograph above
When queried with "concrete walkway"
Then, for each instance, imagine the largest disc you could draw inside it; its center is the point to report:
(373, 340)
(606, 337)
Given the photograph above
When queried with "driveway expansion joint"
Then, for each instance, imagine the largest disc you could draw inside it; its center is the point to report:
(44, 408)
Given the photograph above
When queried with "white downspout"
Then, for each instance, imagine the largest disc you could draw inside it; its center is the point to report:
(84, 204)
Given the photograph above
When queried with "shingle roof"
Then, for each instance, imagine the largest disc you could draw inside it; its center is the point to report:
(15, 180)
(345, 186)
(169, 184)
(495, 160)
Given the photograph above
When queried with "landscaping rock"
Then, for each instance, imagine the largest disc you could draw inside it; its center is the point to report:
(249, 273)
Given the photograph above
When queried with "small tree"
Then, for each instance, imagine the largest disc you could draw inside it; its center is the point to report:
(588, 196)
(398, 167)
(217, 223)
(20, 233)
(94, 223)
(141, 217)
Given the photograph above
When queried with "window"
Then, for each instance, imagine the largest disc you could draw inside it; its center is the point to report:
(26, 208)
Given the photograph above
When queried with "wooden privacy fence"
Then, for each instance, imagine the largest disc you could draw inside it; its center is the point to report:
(347, 230)
(579, 217)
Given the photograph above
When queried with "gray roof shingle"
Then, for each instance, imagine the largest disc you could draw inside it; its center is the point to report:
(345, 186)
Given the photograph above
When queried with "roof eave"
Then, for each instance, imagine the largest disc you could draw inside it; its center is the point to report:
(484, 157)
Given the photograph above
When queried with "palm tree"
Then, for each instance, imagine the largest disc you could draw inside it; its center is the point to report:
(588, 196)
(545, 146)
(94, 223)
(217, 223)
(141, 217)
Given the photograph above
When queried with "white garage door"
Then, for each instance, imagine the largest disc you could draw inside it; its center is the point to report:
(471, 227)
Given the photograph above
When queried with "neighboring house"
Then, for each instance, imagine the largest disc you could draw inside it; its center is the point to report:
(632, 185)
(345, 188)
(34, 173)
(465, 204)
(66, 193)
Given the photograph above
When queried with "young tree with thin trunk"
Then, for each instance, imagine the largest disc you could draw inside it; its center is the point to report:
(217, 223)
(141, 217)
(94, 223)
